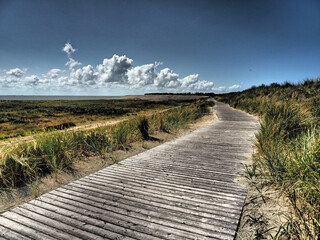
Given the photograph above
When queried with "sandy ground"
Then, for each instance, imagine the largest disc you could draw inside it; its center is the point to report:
(92, 164)
(265, 209)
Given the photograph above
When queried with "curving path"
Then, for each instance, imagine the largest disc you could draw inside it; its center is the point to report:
(184, 189)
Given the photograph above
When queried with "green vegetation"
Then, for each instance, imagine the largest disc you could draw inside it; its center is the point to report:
(54, 152)
(22, 118)
(288, 148)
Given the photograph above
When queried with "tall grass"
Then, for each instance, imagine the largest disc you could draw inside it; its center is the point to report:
(56, 151)
(288, 147)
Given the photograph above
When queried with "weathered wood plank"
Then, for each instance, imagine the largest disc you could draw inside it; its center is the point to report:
(183, 189)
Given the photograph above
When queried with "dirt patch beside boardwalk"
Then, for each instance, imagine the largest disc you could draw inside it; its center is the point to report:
(265, 210)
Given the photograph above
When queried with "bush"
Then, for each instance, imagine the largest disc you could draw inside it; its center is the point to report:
(144, 128)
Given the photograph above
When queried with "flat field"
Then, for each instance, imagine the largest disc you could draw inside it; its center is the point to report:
(22, 118)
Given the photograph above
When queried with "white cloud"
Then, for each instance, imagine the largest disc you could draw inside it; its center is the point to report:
(157, 64)
(142, 75)
(223, 89)
(72, 63)
(32, 80)
(44, 81)
(62, 81)
(234, 87)
(192, 83)
(84, 76)
(8, 82)
(54, 73)
(115, 69)
(201, 86)
(68, 49)
(189, 80)
(167, 78)
(66, 82)
(17, 72)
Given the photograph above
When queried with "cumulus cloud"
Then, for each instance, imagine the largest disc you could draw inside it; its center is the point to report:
(54, 73)
(114, 69)
(201, 86)
(7, 82)
(167, 78)
(62, 81)
(232, 88)
(68, 49)
(17, 72)
(66, 82)
(32, 80)
(142, 75)
(192, 83)
(157, 64)
(72, 63)
(119, 70)
(189, 80)
(84, 76)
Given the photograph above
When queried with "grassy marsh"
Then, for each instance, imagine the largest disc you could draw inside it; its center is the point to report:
(54, 152)
(23, 118)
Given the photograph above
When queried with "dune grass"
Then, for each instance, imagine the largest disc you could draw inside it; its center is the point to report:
(54, 152)
(288, 148)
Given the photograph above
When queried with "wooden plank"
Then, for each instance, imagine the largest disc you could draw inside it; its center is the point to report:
(184, 189)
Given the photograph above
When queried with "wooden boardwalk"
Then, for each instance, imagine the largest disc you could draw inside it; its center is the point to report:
(183, 189)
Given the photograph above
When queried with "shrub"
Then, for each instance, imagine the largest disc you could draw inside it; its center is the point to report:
(144, 128)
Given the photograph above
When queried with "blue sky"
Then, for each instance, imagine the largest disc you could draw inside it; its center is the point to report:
(137, 46)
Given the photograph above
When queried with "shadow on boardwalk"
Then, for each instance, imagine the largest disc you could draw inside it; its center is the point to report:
(182, 189)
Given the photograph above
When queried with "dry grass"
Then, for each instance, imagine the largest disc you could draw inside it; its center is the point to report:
(91, 164)
(288, 152)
